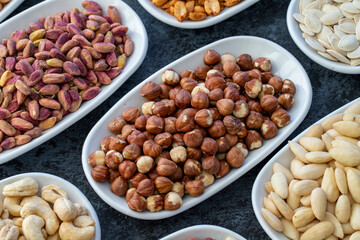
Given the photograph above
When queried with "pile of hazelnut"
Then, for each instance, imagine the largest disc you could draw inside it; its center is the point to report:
(194, 127)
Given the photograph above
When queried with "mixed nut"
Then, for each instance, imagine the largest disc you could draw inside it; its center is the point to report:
(47, 70)
(319, 196)
(332, 28)
(195, 10)
(195, 126)
(26, 216)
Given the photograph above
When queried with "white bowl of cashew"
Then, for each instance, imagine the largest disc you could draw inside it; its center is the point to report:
(74, 194)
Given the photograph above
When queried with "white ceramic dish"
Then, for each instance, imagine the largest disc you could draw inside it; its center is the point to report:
(137, 33)
(9, 8)
(284, 156)
(74, 194)
(203, 231)
(161, 15)
(284, 65)
(296, 35)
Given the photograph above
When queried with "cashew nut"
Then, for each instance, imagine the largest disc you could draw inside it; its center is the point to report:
(12, 204)
(84, 221)
(65, 209)
(5, 214)
(68, 231)
(22, 188)
(54, 237)
(9, 232)
(18, 221)
(81, 210)
(32, 226)
(51, 193)
(34, 199)
(21, 238)
(52, 222)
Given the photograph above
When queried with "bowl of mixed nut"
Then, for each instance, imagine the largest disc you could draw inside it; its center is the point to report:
(55, 69)
(327, 32)
(194, 14)
(195, 126)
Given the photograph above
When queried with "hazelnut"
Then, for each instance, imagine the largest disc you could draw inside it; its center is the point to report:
(268, 129)
(232, 139)
(178, 140)
(100, 173)
(130, 193)
(150, 90)
(178, 175)
(217, 129)
(218, 67)
(209, 146)
(170, 77)
(151, 148)
(131, 114)
(224, 169)
(154, 125)
(235, 157)
(227, 57)
(104, 144)
(160, 109)
(127, 169)
(232, 93)
(163, 184)
(113, 174)
(153, 174)
(206, 178)
(215, 114)
(178, 154)
(255, 74)
(277, 84)
(242, 148)
(173, 92)
(280, 117)
(117, 144)
(172, 201)
(253, 88)
(269, 103)
(179, 188)
(140, 122)
(146, 188)
(195, 188)
(192, 168)
(183, 99)
(211, 57)
(253, 140)
(215, 82)
(137, 138)
(148, 136)
(211, 165)
(231, 84)
(137, 203)
(286, 100)
(232, 124)
(144, 164)
(214, 73)
(155, 203)
(137, 178)
(166, 167)
(216, 94)
(229, 68)
(201, 71)
(204, 118)
(164, 154)
(193, 138)
(245, 62)
(188, 84)
(254, 106)
(187, 74)
(119, 186)
(185, 123)
(241, 109)
(127, 130)
(113, 159)
(191, 112)
(266, 89)
(116, 124)
(240, 78)
(96, 158)
(199, 88)
(225, 106)
(131, 152)
(163, 139)
(288, 87)
(263, 64)
(243, 131)
(200, 100)
(170, 125)
(146, 108)
(194, 153)
(164, 91)
(254, 120)
(265, 77)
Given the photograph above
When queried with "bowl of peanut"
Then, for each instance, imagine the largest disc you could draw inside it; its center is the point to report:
(310, 188)
(195, 126)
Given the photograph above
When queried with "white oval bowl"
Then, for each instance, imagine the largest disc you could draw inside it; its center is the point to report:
(284, 65)
(296, 33)
(161, 15)
(9, 8)
(203, 231)
(136, 32)
(74, 194)
(284, 156)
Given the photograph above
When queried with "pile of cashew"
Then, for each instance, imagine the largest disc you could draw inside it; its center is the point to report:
(26, 216)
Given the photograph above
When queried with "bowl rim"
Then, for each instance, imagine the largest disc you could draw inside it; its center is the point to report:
(9, 8)
(294, 30)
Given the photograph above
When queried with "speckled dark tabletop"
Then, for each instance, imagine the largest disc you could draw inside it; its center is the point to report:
(231, 207)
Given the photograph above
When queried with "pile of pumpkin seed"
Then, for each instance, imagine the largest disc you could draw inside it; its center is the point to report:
(332, 28)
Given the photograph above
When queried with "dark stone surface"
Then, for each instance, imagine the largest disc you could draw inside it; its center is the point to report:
(231, 207)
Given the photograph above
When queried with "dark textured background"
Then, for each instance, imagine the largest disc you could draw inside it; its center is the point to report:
(231, 207)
